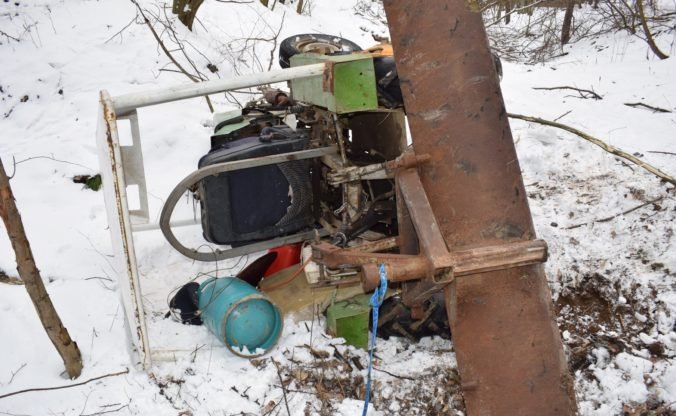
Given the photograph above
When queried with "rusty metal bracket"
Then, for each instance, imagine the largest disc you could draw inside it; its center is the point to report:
(435, 262)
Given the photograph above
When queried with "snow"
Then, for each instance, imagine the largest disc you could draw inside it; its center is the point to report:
(71, 49)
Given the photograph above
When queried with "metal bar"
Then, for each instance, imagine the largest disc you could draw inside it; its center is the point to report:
(217, 168)
(122, 104)
(119, 222)
(156, 226)
(431, 241)
(508, 348)
(498, 257)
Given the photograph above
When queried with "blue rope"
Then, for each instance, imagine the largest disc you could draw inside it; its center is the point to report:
(376, 301)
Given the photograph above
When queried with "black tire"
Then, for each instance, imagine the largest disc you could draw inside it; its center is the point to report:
(310, 42)
(395, 319)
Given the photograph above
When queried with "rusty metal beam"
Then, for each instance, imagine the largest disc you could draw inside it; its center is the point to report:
(405, 267)
(508, 347)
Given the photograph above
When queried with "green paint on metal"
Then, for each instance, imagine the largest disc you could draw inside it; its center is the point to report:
(351, 88)
(230, 127)
(349, 319)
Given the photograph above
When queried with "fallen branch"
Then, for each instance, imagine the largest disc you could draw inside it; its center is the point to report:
(606, 219)
(655, 109)
(122, 30)
(394, 375)
(8, 36)
(281, 383)
(581, 91)
(603, 145)
(126, 370)
(30, 275)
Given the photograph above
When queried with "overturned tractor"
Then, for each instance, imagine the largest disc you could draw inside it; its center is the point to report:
(328, 165)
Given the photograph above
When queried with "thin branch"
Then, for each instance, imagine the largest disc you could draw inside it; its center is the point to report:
(603, 145)
(563, 115)
(581, 91)
(122, 30)
(393, 375)
(664, 153)
(281, 382)
(54, 159)
(655, 109)
(518, 9)
(14, 373)
(66, 386)
(649, 37)
(106, 411)
(606, 219)
(9, 36)
(167, 53)
(274, 43)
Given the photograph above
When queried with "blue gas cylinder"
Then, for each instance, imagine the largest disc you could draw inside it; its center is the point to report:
(239, 315)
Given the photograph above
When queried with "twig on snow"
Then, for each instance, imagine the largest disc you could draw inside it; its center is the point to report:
(9, 36)
(583, 93)
(664, 153)
(126, 371)
(103, 412)
(603, 145)
(122, 30)
(606, 219)
(281, 382)
(167, 53)
(14, 373)
(393, 375)
(563, 115)
(50, 158)
(650, 107)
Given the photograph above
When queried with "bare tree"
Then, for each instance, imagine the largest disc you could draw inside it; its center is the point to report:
(649, 37)
(567, 22)
(30, 275)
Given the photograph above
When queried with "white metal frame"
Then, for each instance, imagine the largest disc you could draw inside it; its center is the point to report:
(122, 166)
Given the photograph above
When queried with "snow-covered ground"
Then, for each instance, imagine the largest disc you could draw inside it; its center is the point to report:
(612, 274)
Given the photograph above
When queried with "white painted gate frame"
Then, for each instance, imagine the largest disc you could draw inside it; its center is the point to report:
(122, 166)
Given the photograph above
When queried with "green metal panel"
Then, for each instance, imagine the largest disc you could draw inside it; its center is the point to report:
(351, 88)
(349, 319)
(230, 115)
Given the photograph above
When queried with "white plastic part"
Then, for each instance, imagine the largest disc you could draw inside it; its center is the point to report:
(311, 269)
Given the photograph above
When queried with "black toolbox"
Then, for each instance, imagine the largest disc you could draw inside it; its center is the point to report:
(251, 204)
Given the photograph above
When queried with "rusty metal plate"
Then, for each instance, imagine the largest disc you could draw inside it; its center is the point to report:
(508, 347)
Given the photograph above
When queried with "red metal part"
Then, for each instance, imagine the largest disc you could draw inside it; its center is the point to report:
(508, 347)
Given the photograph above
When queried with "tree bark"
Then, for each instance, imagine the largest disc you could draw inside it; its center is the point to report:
(186, 11)
(646, 30)
(567, 22)
(30, 275)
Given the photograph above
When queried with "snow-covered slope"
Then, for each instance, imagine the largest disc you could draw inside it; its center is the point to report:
(613, 280)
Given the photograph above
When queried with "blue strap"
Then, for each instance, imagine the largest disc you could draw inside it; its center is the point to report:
(376, 301)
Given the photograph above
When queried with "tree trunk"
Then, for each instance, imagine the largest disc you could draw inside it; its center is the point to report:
(299, 7)
(30, 275)
(646, 30)
(508, 9)
(186, 10)
(567, 22)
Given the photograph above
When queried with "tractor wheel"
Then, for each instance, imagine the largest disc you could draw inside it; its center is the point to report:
(395, 319)
(309, 42)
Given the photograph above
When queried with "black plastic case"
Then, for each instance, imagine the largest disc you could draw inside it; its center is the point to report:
(257, 203)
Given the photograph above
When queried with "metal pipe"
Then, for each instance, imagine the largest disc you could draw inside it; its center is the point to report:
(156, 226)
(128, 102)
